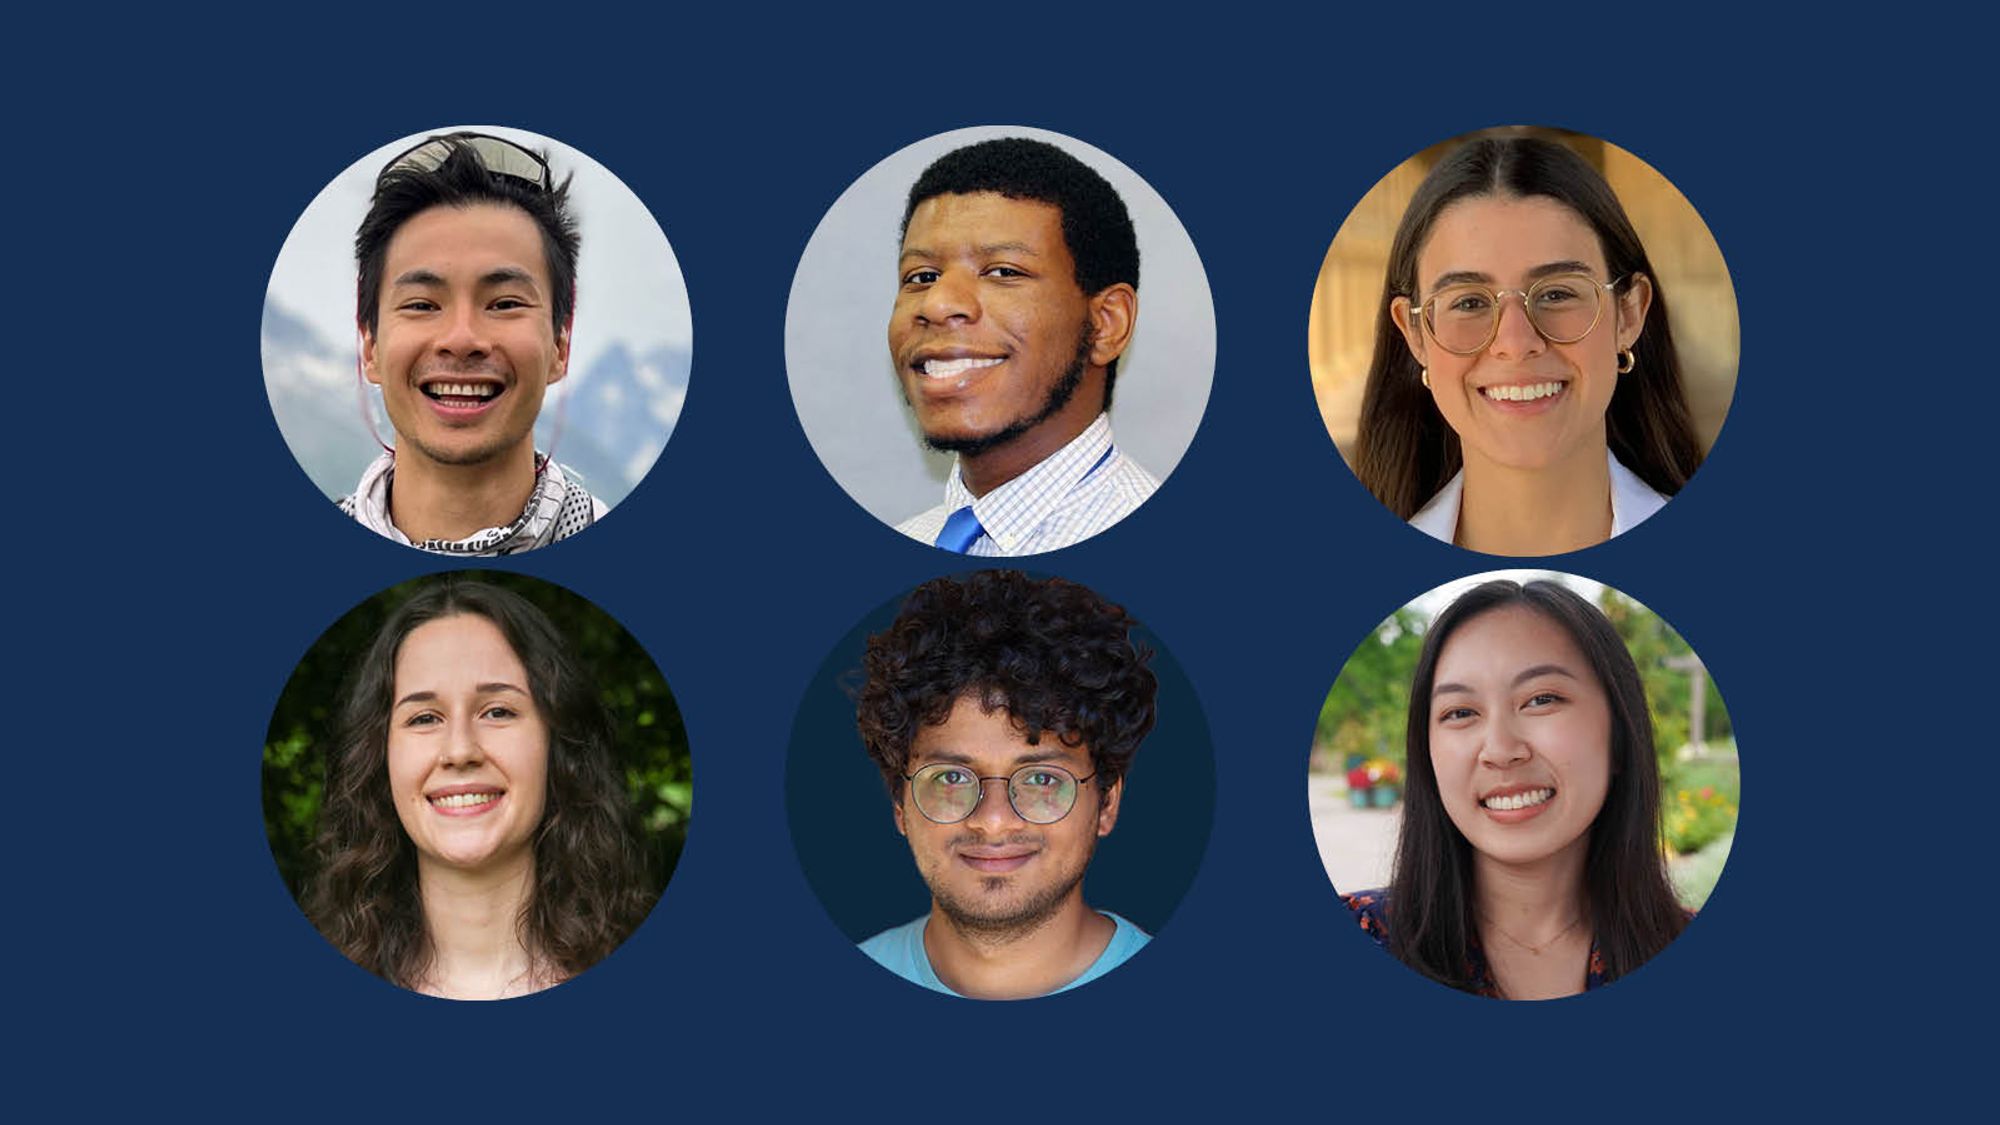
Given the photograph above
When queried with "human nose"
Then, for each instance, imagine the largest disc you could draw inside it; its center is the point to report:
(1515, 333)
(1504, 747)
(461, 745)
(995, 810)
(953, 296)
(463, 332)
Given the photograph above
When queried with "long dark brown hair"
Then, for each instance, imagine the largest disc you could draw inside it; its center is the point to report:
(591, 887)
(1631, 904)
(1404, 451)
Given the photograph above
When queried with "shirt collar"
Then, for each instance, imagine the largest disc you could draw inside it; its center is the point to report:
(534, 527)
(1632, 501)
(1011, 512)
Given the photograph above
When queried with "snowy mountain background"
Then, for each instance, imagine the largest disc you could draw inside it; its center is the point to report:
(614, 415)
(629, 353)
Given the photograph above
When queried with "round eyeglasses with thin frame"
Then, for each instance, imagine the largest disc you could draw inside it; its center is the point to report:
(1564, 308)
(1040, 793)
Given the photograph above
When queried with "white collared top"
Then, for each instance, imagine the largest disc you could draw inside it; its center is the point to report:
(1632, 500)
(1074, 493)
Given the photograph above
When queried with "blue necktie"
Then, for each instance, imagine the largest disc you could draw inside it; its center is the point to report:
(961, 528)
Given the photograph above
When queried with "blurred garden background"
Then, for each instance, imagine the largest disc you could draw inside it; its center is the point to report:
(1356, 768)
(652, 742)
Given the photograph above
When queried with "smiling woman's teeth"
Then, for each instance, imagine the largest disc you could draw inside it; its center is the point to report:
(1518, 393)
(464, 800)
(1518, 800)
(946, 368)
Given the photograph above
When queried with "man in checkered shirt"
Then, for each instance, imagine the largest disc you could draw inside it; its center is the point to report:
(1018, 290)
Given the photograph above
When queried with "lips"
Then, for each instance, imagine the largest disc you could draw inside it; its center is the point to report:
(952, 363)
(460, 397)
(1525, 397)
(1512, 804)
(997, 860)
(465, 800)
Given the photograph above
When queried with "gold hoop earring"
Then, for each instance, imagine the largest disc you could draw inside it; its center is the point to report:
(1627, 361)
(1424, 373)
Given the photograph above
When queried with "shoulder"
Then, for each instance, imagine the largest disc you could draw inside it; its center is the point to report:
(898, 947)
(926, 524)
(1632, 499)
(1439, 518)
(1371, 910)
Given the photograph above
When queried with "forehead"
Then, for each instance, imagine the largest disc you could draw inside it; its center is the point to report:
(1506, 236)
(462, 649)
(467, 242)
(989, 739)
(1492, 647)
(953, 223)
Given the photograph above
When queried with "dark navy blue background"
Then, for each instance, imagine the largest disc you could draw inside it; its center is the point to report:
(175, 563)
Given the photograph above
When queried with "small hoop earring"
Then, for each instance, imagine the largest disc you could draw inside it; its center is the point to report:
(1424, 373)
(1627, 361)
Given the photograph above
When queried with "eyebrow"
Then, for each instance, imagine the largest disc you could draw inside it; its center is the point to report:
(1525, 675)
(984, 250)
(956, 758)
(502, 275)
(1546, 269)
(493, 688)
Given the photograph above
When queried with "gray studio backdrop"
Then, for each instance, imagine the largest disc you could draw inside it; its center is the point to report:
(630, 346)
(836, 334)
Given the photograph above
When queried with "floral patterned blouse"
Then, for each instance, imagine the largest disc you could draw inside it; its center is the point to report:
(1371, 910)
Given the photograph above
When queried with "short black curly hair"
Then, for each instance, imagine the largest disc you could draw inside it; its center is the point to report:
(1052, 654)
(1095, 224)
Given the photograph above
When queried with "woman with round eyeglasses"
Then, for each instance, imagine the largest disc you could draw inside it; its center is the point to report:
(1528, 862)
(1524, 397)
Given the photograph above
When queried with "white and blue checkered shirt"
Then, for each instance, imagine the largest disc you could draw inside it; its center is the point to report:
(1076, 492)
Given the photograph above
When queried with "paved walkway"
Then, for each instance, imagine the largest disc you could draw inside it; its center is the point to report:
(1357, 846)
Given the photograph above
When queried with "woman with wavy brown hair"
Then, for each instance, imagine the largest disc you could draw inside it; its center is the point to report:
(476, 837)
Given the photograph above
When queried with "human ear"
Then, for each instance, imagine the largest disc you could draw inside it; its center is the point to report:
(1114, 316)
(1413, 335)
(896, 809)
(1633, 304)
(368, 355)
(562, 356)
(1107, 809)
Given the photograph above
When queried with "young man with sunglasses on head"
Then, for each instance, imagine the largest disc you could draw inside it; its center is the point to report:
(1004, 712)
(467, 288)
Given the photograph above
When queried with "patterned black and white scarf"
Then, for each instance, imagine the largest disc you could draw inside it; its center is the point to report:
(557, 509)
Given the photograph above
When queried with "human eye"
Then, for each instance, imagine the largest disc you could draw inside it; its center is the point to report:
(511, 304)
(1544, 699)
(1466, 300)
(1006, 273)
(1456, 714)
(417, 305)
(922, 276)
(1041, 779)
(499, 711)
(422, 719)
(951, 777)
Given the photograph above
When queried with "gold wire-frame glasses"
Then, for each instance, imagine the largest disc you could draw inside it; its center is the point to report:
(1564, 308)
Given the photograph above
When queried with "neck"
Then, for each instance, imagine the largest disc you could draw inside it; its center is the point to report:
(473, 919)
(985, 471)
(1532, 902)
(1543, 511)
(433, 500)
(1017, 962)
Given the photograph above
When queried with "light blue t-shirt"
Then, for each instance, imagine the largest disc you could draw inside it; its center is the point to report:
(901, 951)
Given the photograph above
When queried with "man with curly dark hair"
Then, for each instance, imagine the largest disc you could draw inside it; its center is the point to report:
(1004, 712)
(1018, 289)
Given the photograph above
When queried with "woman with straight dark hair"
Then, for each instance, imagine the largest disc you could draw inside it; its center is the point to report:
(476, 838)
(1524, 397)
(1529, 863)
